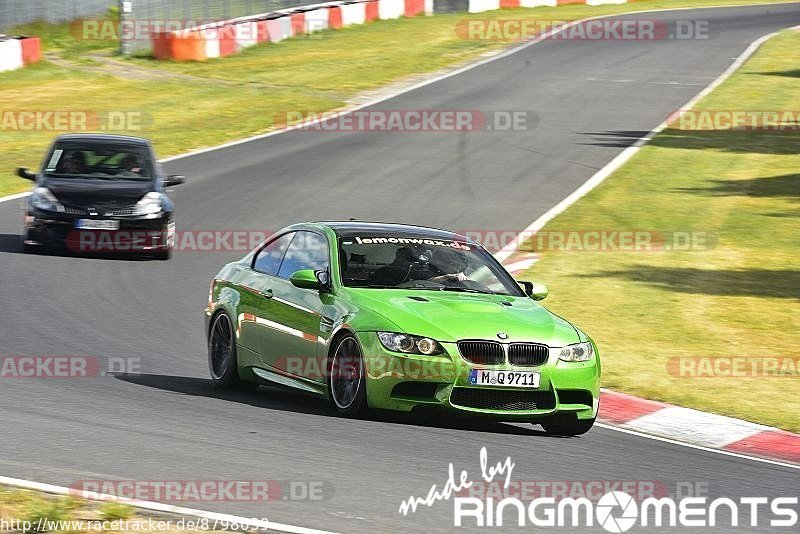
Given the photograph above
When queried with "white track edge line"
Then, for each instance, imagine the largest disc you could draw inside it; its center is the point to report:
(698, 447)
(499, 55)
(161, 507)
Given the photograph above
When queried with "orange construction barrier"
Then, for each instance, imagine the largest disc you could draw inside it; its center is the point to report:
(263, 33)
(227, 40)
(371, 10)
(162, 48)
(335, 17)
(415, 7)
(188, 46)
(298, 23)
(31, 50)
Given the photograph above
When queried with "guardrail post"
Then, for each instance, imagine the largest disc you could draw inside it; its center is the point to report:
(125, 12)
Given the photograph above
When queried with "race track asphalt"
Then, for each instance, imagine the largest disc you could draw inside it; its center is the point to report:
(590, 101)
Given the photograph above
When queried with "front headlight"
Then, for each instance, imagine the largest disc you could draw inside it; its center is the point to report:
(410, 344)
(150, 204)
(580, 352)
(43, 199)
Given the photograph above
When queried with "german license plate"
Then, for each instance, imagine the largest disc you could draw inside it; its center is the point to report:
(96, 224)
(514, 379)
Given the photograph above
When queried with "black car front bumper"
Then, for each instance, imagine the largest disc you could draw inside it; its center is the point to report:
(135, 234)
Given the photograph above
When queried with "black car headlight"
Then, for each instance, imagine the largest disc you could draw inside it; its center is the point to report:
(43, 199)
(410, 344)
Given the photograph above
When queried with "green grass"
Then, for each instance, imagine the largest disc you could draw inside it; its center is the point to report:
(239, 96)
(116, 510)
(741, 297)
(75, 514)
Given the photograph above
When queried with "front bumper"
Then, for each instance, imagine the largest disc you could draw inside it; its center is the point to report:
(135, 234)
(403, 382)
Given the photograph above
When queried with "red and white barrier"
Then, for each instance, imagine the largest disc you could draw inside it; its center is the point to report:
(246, 34)
(228, 37)
(317, 19)
(355, 13)
(16, 51)
(279, 29)
(479, 6)
(391, 9)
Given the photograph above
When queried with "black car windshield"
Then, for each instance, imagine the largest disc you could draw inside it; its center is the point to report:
(107, 162)
(421, 262)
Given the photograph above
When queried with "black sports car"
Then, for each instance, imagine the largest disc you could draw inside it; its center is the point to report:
(100, 194)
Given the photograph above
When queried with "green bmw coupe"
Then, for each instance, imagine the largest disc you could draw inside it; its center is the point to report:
(396, 317)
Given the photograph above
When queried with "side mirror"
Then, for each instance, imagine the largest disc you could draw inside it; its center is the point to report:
(173, 180)
(308, 279)
(534, 290)
(22, 172)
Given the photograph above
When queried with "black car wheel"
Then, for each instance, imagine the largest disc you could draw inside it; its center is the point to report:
(347, 385)
(566, 424)
(222, 355)
(163, 254)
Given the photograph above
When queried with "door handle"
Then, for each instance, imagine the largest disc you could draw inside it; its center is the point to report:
(267, 293)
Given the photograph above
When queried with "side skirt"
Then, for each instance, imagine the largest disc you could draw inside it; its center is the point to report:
(292, 382)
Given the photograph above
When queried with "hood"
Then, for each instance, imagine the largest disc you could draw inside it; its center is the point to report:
(85, 192)
(451, 316)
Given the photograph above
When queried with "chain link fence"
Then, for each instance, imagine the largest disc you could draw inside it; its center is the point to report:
(207, 9)
(16, 12)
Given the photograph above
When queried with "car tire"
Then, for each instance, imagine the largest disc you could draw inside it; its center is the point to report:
(566, 424)
(222, 362)
(26, 247)
(347, 385)
(163, 255)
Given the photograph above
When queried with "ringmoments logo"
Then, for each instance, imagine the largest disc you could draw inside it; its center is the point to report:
(615, 511)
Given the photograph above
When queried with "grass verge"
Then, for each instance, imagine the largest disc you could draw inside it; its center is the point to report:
(738, 298)
(238, 96)
(33, 512)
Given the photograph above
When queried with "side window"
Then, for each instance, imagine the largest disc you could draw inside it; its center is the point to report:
(307, 251)
(269, 258)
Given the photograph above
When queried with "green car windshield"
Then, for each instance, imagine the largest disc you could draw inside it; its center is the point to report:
(421, 262)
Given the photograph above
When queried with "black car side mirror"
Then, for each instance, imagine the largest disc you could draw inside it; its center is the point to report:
(28, 174)
(173, 180)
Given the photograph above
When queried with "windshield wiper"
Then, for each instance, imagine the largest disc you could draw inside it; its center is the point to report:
(467, 290)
